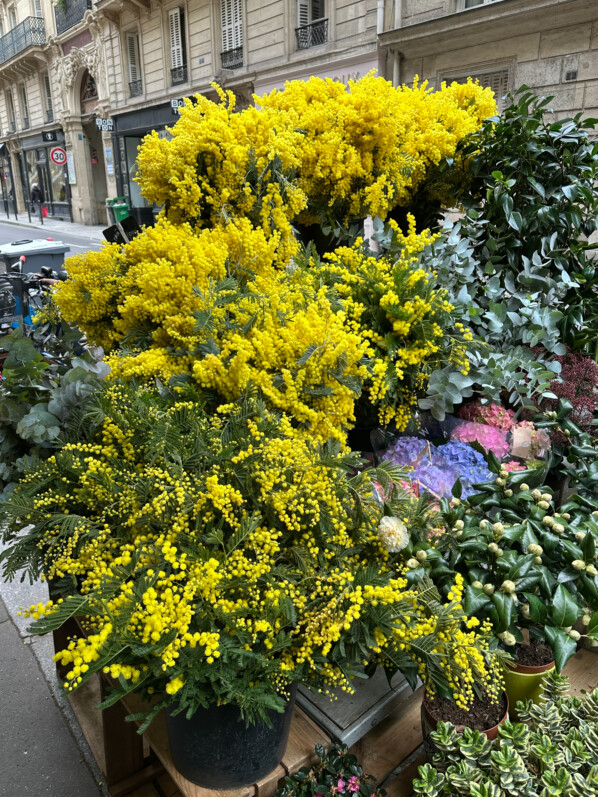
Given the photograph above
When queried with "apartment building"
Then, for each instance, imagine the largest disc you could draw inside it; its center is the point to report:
(82, 81)
(549, 45)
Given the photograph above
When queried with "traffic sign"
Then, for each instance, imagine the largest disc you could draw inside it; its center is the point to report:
(58, 155)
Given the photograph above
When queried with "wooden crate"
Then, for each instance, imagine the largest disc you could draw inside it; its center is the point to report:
(391, 751)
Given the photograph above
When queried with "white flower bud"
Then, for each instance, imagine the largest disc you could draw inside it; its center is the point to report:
(575, 635)
(499, 553)
(459, 534)
(524, 487)
(484, 524)
(537, 560)
(546, 497)
(508, 587)
(548, 520)
(591, 571)
(493, 547)
(537, 550)
(498, 528)
(586, 619)
(478, 585)
(558, 528)
(455, 502)
(412, 564)
(507, 638)
(536, 494)
(501, 482)
(422, 556)
(393, 534)
(594, 643)
(508, 493)
(566, 515)
(525, 610)
(459, 525)
(543, 504)
(488, 589)
(580, 536)
(578, 564)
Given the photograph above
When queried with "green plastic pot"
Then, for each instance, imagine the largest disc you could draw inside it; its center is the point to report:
(523, 682)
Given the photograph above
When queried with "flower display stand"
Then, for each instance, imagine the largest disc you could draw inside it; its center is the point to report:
(391, 751)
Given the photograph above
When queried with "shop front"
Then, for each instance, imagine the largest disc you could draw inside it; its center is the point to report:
(42, 161)
(7, 187)
(129, 131)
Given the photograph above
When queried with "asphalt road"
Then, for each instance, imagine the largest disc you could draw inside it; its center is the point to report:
(77, 243)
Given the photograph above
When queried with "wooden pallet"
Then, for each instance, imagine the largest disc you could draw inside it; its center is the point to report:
(142, 766)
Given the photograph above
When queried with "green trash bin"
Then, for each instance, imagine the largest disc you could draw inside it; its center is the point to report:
(118, 208)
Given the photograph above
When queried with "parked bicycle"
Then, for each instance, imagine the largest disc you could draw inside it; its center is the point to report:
(20, 297)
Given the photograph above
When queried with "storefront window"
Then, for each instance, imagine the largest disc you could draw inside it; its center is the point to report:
(131, 147)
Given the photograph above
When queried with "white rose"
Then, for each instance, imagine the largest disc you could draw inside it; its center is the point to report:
(393, 534)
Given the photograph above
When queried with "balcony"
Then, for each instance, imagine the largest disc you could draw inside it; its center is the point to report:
(178, 75)
(28, 33)
(136, 88)
(311, 35)
(232, 59)
(69, 13)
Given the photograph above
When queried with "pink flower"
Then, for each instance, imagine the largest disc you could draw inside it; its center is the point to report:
(489, 437)
(340, 786)
(354, 783)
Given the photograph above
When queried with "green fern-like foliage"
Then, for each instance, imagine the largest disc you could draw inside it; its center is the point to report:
(554, 754)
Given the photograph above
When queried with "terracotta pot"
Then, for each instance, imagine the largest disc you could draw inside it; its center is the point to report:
(430, 723)
(524, 682)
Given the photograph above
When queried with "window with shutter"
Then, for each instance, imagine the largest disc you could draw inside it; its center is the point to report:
(312, 25)
(12, 15)
(10, 107)
(24, 106)
(37, 8)
(48, 93)
(176, 38)
(497, 80)
(232, 24)
(133, 63)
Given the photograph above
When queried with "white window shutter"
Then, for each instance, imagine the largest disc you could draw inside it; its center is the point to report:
(302, 13)
(226, 8)
(133, 57)
(48, 92)
(176, 38)
(37, 8)
(237, 24)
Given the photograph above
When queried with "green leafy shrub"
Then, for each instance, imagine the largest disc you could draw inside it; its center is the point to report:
(554, 754)
(525, 565)
(37, 397)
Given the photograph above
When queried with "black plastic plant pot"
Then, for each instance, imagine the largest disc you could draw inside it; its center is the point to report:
(216, 750)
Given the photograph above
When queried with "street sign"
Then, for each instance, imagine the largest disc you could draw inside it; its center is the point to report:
(58, 155)
(49, 135)
(176, 105)
(105, 125)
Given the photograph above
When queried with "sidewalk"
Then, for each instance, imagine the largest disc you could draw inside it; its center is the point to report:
(54, 229)
(42, 749)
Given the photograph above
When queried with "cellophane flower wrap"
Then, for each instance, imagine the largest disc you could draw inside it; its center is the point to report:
(220, 557)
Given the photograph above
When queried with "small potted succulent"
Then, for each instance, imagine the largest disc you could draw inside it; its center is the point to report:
(529, 570)
(555, 753)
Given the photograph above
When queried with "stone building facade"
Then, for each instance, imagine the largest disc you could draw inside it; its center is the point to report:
(82, 81)
(549, 45)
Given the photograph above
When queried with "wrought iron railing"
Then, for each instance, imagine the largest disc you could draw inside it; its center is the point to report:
(312, 34)
(28, 33)
(178, 75)
(69, 13)
(49, 115)
(136, 88)
(232, 59)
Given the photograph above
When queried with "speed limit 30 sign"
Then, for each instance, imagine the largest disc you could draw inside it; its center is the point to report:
(58, 155)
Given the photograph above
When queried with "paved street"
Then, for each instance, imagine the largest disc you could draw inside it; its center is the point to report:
(77, 236)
